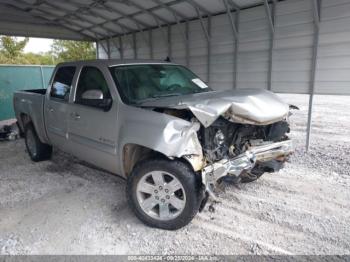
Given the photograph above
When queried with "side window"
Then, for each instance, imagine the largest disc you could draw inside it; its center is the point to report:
(91, 78)
(62, 83)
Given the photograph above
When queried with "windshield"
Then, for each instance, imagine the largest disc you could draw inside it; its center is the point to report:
(138, 83)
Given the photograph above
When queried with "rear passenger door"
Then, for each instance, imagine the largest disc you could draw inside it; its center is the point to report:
(56, 105)
(92, 129)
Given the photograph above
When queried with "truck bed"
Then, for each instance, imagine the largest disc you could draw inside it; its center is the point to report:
(30, 103)
(36, 91)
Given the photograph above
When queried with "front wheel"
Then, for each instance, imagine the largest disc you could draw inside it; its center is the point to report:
(163, 193)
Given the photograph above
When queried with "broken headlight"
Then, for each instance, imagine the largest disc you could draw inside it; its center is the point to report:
(219, 138)
(218, 149)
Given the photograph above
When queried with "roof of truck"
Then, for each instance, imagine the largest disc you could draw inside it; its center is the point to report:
(114, 62)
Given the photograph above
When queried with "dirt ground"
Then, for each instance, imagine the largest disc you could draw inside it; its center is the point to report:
(63, 207)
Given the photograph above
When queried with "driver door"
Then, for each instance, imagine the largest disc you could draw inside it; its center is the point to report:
(92, 129)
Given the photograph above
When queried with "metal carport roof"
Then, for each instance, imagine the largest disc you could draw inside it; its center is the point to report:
(100, 19)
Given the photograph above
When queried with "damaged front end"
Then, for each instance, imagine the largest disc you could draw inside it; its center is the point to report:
(236, 135)
(240, 152)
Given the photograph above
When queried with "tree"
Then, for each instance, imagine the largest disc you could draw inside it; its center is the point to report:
(38, 59)
(11, 52)
(66, 50)
(11, 48)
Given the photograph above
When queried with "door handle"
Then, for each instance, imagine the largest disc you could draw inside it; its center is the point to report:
(50, 109)
(76, 116)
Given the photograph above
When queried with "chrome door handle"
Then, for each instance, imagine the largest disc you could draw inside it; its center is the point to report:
(50, 109)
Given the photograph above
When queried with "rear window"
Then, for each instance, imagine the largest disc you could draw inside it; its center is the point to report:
(62, 83)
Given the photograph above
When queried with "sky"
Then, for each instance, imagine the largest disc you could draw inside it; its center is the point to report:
(37, 45)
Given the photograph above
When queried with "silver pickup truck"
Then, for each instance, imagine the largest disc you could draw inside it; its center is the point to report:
(159, 126)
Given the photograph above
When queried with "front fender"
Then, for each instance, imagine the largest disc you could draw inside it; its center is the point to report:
(169, 135)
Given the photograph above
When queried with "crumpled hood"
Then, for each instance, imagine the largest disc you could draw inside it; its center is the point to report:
(249, 106)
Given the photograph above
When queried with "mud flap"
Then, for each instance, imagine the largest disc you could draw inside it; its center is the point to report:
(204, 201)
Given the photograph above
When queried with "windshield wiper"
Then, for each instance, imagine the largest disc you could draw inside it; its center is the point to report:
(156, 97)
(165, 95)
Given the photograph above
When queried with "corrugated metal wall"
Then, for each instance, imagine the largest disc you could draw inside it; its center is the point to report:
(18, 77)
(293, 44)
(333, 69)
(253, 54)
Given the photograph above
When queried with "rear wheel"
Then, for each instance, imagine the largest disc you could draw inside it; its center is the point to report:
(37, 150)
(163, 193)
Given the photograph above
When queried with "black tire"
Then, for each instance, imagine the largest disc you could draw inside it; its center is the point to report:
(37, 150)
(248, 177)
(184, 175)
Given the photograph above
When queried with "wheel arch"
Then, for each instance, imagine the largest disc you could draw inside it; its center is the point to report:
(134, 153)
(39, 126)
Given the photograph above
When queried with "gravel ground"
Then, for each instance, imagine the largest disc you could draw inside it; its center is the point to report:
(63, 207)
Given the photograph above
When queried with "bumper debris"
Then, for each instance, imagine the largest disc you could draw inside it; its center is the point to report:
(244, 162)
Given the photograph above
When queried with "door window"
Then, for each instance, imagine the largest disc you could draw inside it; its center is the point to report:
(91, 78)
(62, 83)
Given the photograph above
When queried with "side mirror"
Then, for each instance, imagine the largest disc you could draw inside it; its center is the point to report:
(95, 98)
(94, 94)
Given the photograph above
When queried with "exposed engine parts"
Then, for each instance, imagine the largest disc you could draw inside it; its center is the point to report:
(226, 139)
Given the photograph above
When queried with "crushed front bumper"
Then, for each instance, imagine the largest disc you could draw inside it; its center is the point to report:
(244, 162)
